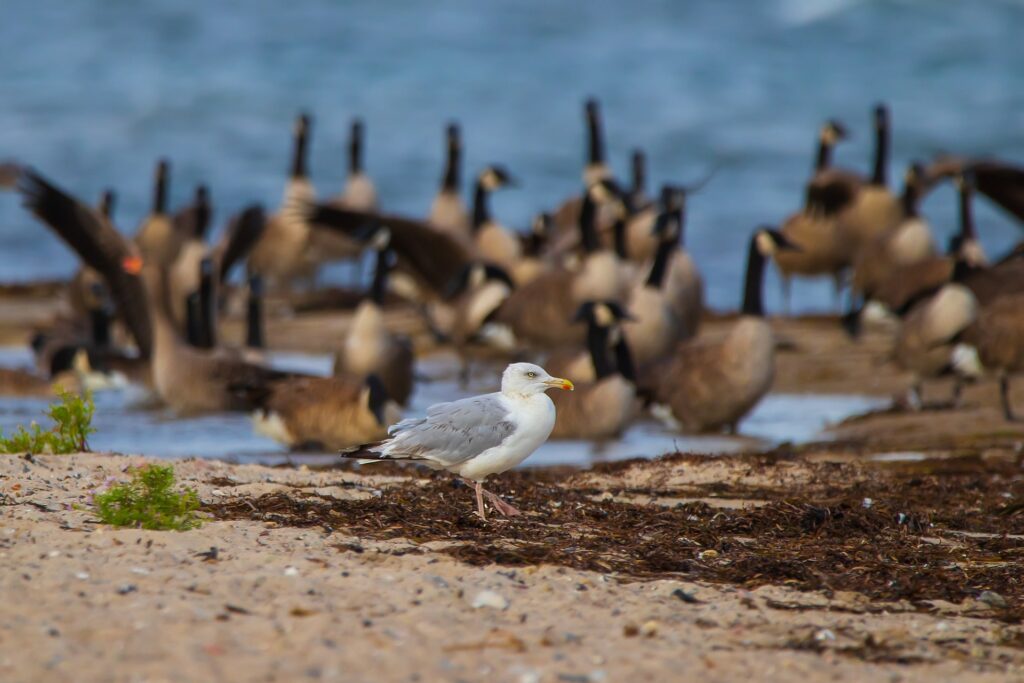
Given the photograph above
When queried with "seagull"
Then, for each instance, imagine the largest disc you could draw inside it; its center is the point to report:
(478, 436)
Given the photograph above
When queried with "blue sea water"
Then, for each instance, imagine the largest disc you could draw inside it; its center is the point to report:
(93, 91)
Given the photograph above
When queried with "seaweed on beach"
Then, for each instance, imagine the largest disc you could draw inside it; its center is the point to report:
(887, 535)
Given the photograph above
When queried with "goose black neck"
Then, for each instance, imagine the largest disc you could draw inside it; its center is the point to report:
(160, 189)
(193, 322)
(588, 231)
(967, 230)
(204, 213)
(380, 277)
(824, 158)
(597, 345)
(254, 314)
(299, 153)
(880, 175)
(481, 205)
(624, 360)
(207, 306)
(639, 172)
(595, 136)
(619, 233)
(660, 266)
(909, 200)
(355, 149)
(99, 323)
(752, 300)
(452, 177)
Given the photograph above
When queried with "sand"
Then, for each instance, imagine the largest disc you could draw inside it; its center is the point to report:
(817, 562)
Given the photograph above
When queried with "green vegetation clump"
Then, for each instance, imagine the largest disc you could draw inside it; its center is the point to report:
(72, 418)
(149, 501)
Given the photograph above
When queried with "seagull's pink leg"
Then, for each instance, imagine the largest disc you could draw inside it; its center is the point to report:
(501, 506)
(480, 501)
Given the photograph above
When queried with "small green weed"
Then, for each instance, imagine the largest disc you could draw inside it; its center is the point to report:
(149, 501)
(72, 418)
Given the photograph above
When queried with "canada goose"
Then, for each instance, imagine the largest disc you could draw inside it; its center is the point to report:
(897, 290)
(158, 243)
(595, 170)
(927, 336)
(448, 212)
(539, 312)
(190, 225)
(655, 328)
(325, 412)
(814, 229)
(641, 227)
(875, 210)
(603, 407)
(994, 343)
(360, 192)
(279, 254)
(710, 385)
(494, 243)
(683, 286)
(99, 245)
(369, 347)
(909, 241)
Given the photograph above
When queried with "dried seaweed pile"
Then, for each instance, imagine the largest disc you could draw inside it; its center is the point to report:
(914, 537)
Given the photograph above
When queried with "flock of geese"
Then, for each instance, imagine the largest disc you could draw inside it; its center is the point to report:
(601, 289)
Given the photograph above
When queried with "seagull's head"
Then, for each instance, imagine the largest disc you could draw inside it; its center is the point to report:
(527, 379)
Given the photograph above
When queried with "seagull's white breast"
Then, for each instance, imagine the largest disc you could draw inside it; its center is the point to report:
(534, 417)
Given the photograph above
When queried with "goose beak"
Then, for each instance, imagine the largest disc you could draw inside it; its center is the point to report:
(559, 383)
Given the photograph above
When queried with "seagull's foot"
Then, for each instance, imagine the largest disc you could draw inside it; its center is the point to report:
(501, 506)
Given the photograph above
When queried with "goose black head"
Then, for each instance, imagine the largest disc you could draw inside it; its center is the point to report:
(496, 176)
(833, 131)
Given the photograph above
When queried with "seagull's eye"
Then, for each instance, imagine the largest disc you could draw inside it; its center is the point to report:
(531, 375)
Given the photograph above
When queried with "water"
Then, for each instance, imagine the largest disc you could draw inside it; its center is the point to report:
(96, 90)
(122, 425)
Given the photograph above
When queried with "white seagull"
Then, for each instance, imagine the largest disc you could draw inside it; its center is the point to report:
(478, 436)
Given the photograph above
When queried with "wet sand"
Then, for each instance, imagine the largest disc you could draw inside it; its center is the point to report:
(890, 552)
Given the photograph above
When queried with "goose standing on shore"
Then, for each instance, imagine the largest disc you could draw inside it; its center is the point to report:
(448, 212)
(369, 347)
(156, 238)
(710, 385)
(814, 229)
(602, 405)
(874, 211)
(494, 243)
(278, 255)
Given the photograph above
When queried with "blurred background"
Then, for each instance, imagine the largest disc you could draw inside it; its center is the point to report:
(95, 90)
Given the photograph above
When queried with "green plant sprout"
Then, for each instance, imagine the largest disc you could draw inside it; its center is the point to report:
(149, 501)
(72, 418)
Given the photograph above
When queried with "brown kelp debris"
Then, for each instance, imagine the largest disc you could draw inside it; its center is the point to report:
(916, 537)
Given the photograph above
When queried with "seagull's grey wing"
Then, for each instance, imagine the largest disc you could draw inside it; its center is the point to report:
(452, 433)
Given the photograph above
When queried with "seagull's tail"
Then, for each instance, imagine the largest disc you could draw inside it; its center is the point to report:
(365, 453)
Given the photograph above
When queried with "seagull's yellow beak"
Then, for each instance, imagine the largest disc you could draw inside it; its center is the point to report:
(559, 383)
